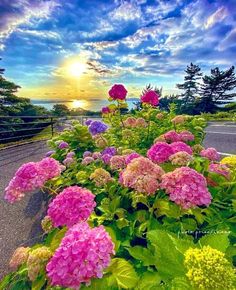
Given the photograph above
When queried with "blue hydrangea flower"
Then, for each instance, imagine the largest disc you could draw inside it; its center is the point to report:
(88, 122)
(110, 150)
(97, 127)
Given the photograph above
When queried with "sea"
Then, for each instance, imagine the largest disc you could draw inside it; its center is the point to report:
(91, 105)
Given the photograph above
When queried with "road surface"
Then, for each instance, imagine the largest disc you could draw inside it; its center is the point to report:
(20, 222)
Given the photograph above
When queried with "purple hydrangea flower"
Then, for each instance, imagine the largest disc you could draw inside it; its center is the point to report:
(88, 122)
(63, 145)
(97, 127)
(87, 154)
(106, 158)
(110, 150)
(70, 154)
(49, 153)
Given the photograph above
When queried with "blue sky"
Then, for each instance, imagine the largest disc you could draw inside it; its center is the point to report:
(132, 42)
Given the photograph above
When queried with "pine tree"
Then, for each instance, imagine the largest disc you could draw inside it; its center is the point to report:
(190, 85)
(216, 88)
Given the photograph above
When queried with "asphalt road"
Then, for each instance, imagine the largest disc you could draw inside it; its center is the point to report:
(20, 222)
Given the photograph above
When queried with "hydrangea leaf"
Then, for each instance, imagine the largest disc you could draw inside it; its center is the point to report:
(218, 241)
(124, 273)
(149, 281)
(142, 254)
(169, 259)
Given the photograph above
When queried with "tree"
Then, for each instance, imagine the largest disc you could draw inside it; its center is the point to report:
(216, 89)
(60, 110)
(190, 86)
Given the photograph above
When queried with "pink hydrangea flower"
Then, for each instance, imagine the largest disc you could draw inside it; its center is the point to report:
(96, 155)
(31, 176)
(180, 158)
(179, 119)
(221, 169)
(186, 136)
(130, 157)
(130, 122)
(160, 152)
(87, 160)
(68, 161)
(150, 97)
(70, 154)
(140, 122)
(83, 254)
(210, 153)
(186, 187)
(87, 154)
(106, 158)
(171, 136)
(50, 168)
(181, 146)
(117, 162)
(72, 205)
(118, 92)
(142, 175)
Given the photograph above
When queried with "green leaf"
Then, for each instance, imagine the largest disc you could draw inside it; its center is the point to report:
(39, 282)
(180, 283)
(56, 240)
(124, 273)
(149, 281)
(142, 254)
(113, 237)
(217, 241)
(169, 259)
(122, 223)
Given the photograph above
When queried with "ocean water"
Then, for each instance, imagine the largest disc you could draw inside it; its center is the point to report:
(93, 105)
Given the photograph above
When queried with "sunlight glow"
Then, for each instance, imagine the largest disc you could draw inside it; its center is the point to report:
(76, 69)
(79, 104)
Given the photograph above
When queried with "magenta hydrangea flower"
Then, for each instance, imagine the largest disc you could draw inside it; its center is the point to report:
(181, 146)
(142, 175)
(118, 92)
(186, 136)
(31, 176)
(150, 97)
(83, 254)
(210, 153)
(130, 157)
(186, 187)
(106, 110)
(160, 152)
(171, 136)
(221, 169)
(72, 205)
(63, 145)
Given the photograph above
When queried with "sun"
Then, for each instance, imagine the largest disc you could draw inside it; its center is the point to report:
(76, 69)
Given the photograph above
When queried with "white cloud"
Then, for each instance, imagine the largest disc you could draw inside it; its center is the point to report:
(126, 11)
(228, 41)
(218, 16)
(38, 33)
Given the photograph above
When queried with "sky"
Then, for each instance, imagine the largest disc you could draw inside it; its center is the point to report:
(76, 49)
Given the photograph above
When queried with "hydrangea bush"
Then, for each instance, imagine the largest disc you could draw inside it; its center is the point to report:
(134, 202)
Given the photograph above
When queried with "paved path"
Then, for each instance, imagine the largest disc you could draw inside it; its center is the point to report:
(20, 222)
(222, 136)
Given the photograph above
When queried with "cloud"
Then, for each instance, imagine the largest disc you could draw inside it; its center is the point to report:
(18, 12)
(39, 33)
(126, 11)
(216, 17)
(228, 41)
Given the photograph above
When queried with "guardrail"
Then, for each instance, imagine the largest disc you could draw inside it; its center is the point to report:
(24, 128)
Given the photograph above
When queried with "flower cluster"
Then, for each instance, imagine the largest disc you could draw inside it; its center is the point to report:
(135, 123)
(37, 260)
(230, 161)
(210, 153)
(46, 224)
(31, 176)
(87, 160)
(63, 145)
(83, 254)
(186, 136)
(160, 152)
(160, 116)
(130, 157)
(110, 150)
(118, 92)
(101, 177)
(179, 119)
(186, 187)
(117, 162)
(100, 141)
(180, 158)
(106, 110)
(97, 127)
(150, 97)
(197, 148)
(72, 205)
(19, 257)
(142, 175)
(181, 146)
(171, 136)
(221, 169)
(207, 268)
(69, 159)
(50, 153)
